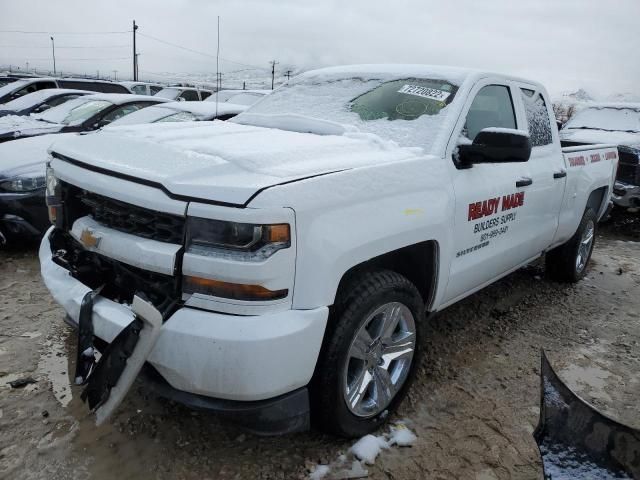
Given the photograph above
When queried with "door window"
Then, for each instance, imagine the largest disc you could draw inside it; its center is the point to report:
(492, 107)
(54, 102)
(139, 89)
(122, 111)
(537, 119)
(155, 89)
(190, 95)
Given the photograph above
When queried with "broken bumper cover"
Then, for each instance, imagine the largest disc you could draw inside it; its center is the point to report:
(201, 354)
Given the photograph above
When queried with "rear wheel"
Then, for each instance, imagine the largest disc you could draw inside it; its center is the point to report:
(568, 262)
(369, 355)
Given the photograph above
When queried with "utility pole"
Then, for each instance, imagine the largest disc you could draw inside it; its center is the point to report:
(288, 75)
(115, 75)
(135, 54)
(273, 72)
(244, 85)
(98, 74)
(53, 51)
(27, 66)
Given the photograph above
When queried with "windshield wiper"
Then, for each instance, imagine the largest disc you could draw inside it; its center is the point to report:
(603, 129)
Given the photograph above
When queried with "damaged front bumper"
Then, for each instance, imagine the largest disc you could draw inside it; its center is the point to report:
(626, 195)
(253, 369)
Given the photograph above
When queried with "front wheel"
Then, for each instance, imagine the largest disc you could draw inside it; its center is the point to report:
(370, 354)
(568, 262)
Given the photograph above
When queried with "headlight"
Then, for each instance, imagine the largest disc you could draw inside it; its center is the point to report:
(246, 240)
(23, 184)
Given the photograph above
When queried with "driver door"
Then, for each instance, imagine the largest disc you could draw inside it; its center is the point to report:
(490, 232)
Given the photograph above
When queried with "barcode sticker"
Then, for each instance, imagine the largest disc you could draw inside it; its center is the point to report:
(425, 92)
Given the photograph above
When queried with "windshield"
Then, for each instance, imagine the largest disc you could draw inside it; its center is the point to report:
(30, 99)
(611, 119)
(144, 115)
(10, 87)
(170, 93)
(408, 111)
(244, 98)
(74, 112)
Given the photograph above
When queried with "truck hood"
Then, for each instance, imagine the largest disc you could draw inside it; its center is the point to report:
(221, 161)
(594, 136)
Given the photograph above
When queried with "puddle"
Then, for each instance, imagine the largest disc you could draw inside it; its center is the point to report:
(54, 363)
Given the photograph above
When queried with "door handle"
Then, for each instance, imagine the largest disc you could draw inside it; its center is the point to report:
(560, 174)
(524, 182)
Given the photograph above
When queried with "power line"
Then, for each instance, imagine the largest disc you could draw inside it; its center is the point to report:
(69, 46)
(28, 32)
(197, 51)
(73, 59)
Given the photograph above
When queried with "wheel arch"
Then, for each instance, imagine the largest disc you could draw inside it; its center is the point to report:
(418, 263)
(598, 200)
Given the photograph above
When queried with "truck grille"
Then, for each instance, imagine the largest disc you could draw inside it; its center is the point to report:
(125, 217)
(628, 166)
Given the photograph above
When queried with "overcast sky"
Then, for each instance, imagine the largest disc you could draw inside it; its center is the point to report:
(566, 44)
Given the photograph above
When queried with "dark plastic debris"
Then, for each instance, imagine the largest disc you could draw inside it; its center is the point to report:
(111, 365)
(578, 442)
(22, 382)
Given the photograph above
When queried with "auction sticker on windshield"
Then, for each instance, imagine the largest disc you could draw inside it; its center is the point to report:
(425, 92)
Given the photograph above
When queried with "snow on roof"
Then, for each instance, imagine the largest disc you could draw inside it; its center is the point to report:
(389, 71)
(120, 98)
(129, 83)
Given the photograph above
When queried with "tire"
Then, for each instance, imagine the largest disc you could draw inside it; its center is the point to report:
(568, 262)
(368, 303)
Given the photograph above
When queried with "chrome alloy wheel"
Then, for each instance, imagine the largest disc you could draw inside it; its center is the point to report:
(584, 249)
(379, 359)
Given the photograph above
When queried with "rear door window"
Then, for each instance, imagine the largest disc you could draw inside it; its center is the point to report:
(190, 95)
(123, 110)
(139, 89)
(537, 119)
(492, 107)
(155, 89)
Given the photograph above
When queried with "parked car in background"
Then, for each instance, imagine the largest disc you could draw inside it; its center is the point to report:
(613, 124)
(181, 112)
(23, 212)
(307, 238)
(23, 86)
(182, 94)
(88, 112)
(244, 97)
(142, 88)
(4, 80)
(40, 101)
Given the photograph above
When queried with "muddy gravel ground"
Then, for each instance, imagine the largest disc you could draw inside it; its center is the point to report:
(474, 404)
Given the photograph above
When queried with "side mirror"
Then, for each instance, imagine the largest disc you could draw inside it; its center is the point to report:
(495, 145)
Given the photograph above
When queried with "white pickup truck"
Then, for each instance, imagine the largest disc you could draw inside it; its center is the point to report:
(279, 268)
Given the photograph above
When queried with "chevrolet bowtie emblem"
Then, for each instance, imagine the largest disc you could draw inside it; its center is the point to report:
(88, 239)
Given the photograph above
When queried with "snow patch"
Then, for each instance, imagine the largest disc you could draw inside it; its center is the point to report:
(369, 447)
(364, 452)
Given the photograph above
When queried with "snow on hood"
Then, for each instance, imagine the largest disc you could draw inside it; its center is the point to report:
(26, 125)
(600, 136)
(27, 153)
(226, 162)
